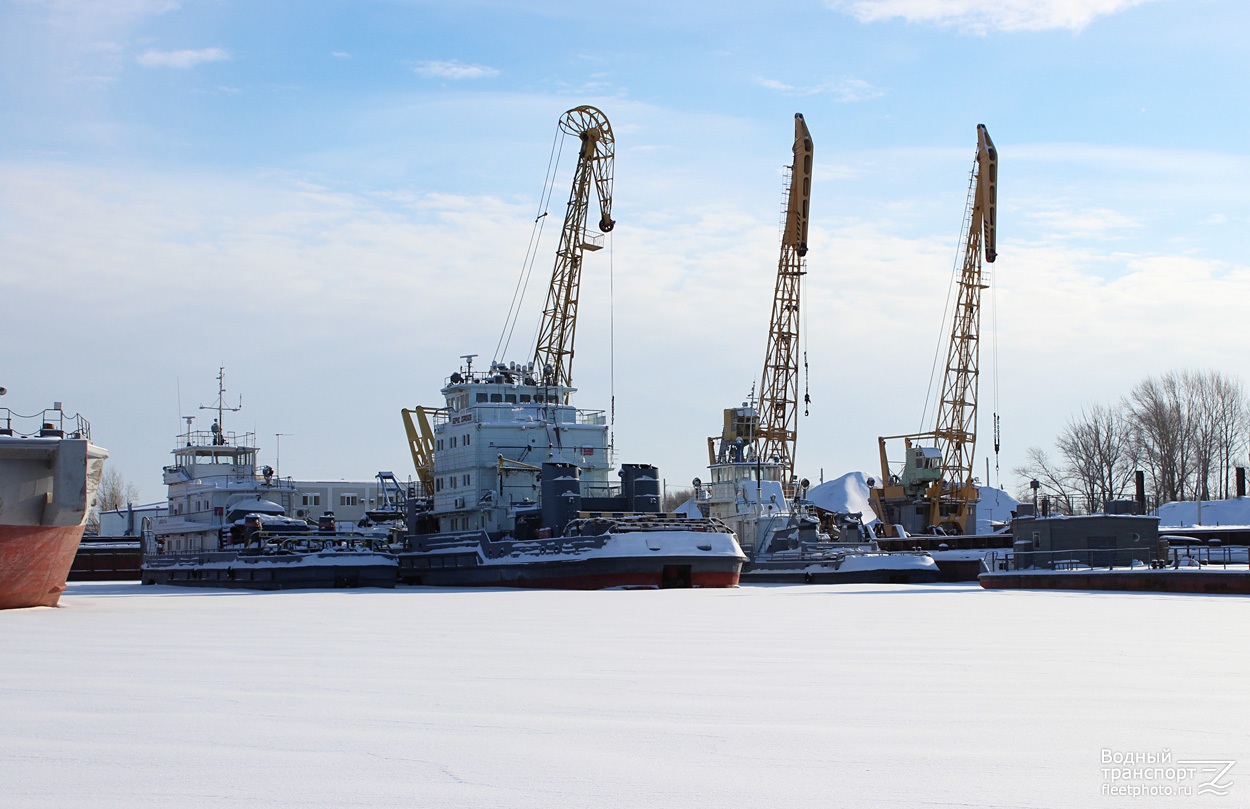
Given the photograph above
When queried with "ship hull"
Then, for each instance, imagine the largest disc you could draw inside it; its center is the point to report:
(34, 563)
(1231, 582)
(599, 574)
(867, 568)
(312, 571)
(47, 486)
(632, 559)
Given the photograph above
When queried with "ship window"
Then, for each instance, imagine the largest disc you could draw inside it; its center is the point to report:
(453, 442)
(525, 398)
(510, 397)
(481, 397)
(349, 499)
(438, 445)
(538, 397)
(466, 480)
(438, 484)
(496, 397)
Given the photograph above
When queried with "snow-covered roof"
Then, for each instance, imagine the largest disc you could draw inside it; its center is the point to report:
(1187, 513)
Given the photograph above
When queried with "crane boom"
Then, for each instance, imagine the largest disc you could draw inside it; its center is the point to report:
(956, 430)
(553, 357)
(779, 387)
(935, 489)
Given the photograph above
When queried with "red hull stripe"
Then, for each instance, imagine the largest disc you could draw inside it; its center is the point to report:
(34, 561)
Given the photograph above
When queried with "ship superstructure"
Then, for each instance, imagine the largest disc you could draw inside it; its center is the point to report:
(498, 428)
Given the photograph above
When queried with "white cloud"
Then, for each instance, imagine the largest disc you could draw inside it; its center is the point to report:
(1082, 224)
(181, 59)
(842, 90)
(454, 69)
(988, 15)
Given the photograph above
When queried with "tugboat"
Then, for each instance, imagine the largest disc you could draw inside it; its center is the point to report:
(226, 524)
(515, 479)
(783, 539)
(49, 474)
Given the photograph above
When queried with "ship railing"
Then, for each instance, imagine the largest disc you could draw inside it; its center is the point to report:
(1071, 560)
(268, 543)
(221, 438)
(928, 542)
(1211, 553)
(51, 422)
(597, 418)
(628, 523)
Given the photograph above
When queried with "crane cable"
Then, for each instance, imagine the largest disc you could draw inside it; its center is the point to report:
(807, 376)
(611, 343)
(994, 379)
(956, 273)
(531, 251)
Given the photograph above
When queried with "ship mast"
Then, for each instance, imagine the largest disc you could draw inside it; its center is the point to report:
(553, 356)
(779, 387)
(219, 427)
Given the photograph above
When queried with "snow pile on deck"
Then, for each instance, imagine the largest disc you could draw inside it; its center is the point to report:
(847, 494)
(1185, 513)
(995, 505)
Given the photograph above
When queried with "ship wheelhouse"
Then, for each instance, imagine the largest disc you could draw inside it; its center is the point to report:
(490, 440)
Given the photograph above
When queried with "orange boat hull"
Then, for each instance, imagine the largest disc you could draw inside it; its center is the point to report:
(34, 562)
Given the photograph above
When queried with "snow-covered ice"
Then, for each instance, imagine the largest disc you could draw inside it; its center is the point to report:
(788, 696)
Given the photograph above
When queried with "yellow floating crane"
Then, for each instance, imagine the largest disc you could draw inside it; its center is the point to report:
(762, 442)
(779, 385)
(934, 491)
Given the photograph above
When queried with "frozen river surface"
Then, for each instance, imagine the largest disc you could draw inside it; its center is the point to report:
(781, 696)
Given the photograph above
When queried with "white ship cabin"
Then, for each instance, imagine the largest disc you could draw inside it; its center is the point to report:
(742, 482)
(498, 427)
(212, 482)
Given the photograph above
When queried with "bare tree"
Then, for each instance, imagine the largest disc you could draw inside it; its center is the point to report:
(1054, 481)
(114, 493)
(1229, 413)
(1161, 414)
(673, 498)
(1098, 447)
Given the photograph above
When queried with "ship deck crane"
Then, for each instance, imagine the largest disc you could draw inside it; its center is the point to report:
(553, 355)
(766, 437)
(779, 385)
(935, 489)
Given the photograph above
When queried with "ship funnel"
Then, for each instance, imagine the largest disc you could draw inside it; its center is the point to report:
(561, 495)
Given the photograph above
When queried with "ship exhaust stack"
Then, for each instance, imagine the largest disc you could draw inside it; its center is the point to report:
(640, 486)
(1139, 478)
(561, 495)
(1241, 481)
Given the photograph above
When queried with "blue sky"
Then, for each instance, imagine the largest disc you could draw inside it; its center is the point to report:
(333, 201)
